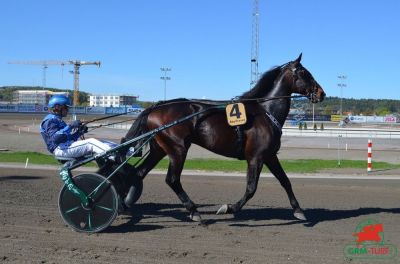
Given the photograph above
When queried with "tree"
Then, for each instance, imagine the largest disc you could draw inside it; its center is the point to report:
(328, 110)
(382, 111)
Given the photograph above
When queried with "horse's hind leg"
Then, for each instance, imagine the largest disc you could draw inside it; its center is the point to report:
(276, 169)
(173, 180)
(253, 174)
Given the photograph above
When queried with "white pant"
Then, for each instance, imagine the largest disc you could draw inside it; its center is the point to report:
(84, 147)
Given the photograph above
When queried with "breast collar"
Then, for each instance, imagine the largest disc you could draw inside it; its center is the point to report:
(274, 121)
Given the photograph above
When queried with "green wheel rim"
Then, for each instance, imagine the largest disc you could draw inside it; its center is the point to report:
(99, 214)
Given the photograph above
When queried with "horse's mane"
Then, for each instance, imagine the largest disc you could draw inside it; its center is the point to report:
(169, 101)
(264, 84)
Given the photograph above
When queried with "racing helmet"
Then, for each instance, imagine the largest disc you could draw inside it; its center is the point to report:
(59, 100)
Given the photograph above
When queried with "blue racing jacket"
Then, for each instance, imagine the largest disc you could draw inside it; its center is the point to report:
(56, 132)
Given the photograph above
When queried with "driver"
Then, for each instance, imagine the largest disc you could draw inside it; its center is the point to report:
(62, 139)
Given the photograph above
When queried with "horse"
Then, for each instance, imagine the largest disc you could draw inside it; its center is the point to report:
(257, 141)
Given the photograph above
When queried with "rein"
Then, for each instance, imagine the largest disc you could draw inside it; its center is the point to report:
(109, 124)
(218, 104)
(233, 100)
(102, 118)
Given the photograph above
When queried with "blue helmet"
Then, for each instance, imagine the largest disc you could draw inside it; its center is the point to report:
(59, 100)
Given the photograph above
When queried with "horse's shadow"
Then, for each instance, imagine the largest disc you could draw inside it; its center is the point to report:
(246, 218)
(147, 211)
(314, 215)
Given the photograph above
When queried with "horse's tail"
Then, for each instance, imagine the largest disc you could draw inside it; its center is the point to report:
(138, 127)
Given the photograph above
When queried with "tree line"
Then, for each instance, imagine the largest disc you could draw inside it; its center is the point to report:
(379, 107)
(350, 106)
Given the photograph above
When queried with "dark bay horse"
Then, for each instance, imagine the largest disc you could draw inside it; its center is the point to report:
(257, 141)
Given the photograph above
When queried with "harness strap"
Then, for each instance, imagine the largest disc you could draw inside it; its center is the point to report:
(274, 121)
(240, 140)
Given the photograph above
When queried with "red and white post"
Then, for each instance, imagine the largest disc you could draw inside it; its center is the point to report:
(369, 168)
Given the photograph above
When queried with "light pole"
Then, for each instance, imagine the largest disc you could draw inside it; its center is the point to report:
(165, 78)
(341, 84)
(313, 115)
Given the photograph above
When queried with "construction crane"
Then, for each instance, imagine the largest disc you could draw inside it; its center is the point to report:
(77, 64)
(254, 45)
(44, 64)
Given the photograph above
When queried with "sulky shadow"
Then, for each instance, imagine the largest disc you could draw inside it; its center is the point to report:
(163, 213)
(20, 178)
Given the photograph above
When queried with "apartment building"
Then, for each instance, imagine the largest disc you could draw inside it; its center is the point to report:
(40, 97)
(112, 100)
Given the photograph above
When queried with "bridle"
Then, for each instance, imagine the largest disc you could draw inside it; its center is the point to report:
(311, 93)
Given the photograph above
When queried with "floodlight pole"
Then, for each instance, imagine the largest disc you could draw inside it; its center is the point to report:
(341, 84)
(165, 78)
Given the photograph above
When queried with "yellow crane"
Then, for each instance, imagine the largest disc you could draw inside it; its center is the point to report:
(77, 64)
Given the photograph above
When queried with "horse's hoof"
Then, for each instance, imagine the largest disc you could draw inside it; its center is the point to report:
(300, 215)
(223, 209)
(195, 216)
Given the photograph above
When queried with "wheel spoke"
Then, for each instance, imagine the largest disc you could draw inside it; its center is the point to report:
(90, 221)
(105, 208)
(72, 209)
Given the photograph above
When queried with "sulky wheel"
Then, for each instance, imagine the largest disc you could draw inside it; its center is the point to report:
(100, 212)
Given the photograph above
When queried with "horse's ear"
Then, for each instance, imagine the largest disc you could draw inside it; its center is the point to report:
(297, 61)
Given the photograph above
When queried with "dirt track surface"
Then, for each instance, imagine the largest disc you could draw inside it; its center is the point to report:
(159, 230)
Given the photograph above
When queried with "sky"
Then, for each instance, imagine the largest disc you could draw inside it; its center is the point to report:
(207, 45)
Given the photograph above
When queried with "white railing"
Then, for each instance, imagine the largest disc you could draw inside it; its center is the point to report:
(327, 132)
(343, 132)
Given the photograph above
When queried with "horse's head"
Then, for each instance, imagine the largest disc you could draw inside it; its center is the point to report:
(303, 81)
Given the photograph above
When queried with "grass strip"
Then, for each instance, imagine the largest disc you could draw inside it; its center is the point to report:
(298, 165)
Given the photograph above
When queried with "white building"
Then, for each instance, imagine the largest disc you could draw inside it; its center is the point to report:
(40, 97)
(112, 100)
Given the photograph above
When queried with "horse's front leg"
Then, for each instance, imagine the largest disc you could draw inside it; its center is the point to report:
(276, 169)
(173, 180)
(253, 174)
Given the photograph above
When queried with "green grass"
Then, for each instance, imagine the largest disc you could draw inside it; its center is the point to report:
(299, 166)
(34, 158)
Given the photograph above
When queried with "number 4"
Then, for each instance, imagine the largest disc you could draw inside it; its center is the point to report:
(235, 111)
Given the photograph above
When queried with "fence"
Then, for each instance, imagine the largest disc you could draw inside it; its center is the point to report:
(36, 108)
(343, 132)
